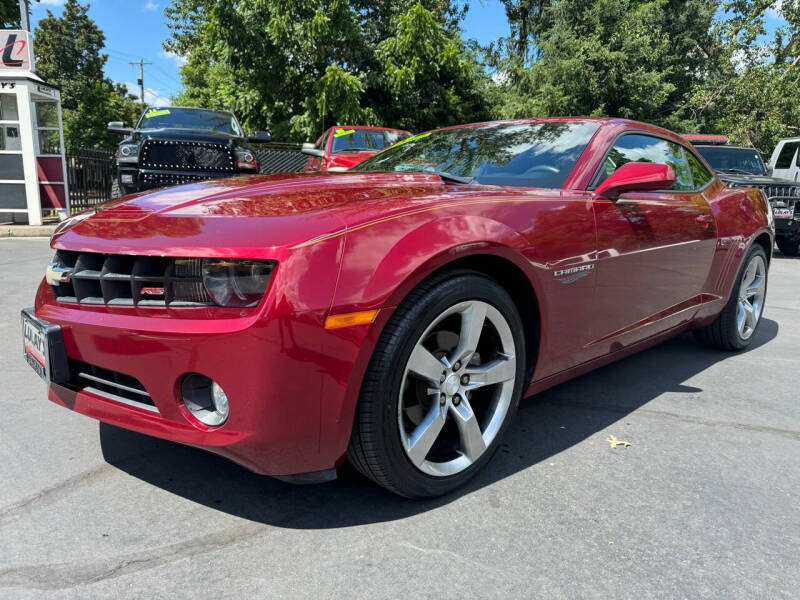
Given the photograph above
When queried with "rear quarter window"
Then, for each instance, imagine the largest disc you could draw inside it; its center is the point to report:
(786, 155)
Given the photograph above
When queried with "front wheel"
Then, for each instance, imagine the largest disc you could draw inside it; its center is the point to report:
(441, 388)
(737, 323)
(788, 247)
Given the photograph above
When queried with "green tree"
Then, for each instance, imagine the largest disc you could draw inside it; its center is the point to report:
(299, 67)
(68, 55)
(9, 14)
(628, 58)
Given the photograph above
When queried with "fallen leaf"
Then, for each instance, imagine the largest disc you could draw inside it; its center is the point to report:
(614, 442)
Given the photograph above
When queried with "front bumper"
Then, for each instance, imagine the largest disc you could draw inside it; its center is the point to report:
(275, 371)
(133, 179)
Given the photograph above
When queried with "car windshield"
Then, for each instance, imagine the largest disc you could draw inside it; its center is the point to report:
(538, 154)
(190, 118)
(746, 161)
(347, 139)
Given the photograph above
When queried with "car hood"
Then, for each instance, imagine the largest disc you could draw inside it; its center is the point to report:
(757, 180)
(251, 215)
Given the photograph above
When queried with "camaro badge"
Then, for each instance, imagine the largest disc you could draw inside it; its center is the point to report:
(573, 273)
(56, 274)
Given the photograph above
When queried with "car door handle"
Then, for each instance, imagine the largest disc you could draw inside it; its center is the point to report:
(704, 221)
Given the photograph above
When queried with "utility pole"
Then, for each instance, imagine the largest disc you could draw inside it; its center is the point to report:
(141, 64)
(24, 14)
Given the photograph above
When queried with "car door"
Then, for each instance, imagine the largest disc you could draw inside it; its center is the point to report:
(655, 249)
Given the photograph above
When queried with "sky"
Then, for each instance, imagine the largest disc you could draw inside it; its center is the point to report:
(135, 29)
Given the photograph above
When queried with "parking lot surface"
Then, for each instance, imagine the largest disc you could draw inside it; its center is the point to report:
(705, 502)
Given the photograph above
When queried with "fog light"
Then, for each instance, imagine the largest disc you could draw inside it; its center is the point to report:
(205, 399)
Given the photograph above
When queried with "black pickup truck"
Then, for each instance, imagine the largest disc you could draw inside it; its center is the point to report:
(740, 166)
(171, 145)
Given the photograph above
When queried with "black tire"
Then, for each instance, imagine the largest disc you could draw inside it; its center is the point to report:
(375, 447)
(788, 247)
(723, 333)
(116, 190)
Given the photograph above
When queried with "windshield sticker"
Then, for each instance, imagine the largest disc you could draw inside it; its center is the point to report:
(413, 138)
(341, 132)
(155, 112)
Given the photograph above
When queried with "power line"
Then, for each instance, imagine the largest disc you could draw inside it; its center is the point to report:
(141, 64)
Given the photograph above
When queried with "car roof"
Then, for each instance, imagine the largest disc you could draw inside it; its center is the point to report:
(615, 122)
(715, 146)
(161, 107)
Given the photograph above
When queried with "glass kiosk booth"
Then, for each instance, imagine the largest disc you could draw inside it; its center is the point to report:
(32, 165)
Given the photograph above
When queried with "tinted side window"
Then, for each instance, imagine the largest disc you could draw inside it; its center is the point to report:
(700, 174)
(787, 154)
(644, 148)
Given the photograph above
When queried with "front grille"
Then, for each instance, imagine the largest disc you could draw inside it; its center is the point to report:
(110, 384)
(778, 191)
(171, 179)
(122, 280)
(186, 156)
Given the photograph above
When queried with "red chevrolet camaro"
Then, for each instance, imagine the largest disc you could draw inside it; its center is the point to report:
(394, 315)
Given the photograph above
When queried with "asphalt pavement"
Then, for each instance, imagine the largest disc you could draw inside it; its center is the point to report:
(704, 503)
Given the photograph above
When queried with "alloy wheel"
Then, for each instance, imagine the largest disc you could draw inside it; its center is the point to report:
(752, 292)
(457, 388)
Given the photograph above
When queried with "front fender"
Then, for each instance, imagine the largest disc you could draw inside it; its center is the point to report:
(385, 261)
(382, 263)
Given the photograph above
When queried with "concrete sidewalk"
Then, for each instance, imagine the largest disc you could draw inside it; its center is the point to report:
(18, 230)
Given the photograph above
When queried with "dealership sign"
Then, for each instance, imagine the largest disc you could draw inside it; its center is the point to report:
(16, 50)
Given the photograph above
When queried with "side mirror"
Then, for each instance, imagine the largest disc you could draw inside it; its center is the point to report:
(312, 150)
(119, 127)
(260, 137)
(637, 177)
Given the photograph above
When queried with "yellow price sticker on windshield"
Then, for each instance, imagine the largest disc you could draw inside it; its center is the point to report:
(341, 132)
(155, 112)
(413, 138)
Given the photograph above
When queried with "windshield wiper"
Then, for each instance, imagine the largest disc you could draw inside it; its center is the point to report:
(741, 171)
(455, 178)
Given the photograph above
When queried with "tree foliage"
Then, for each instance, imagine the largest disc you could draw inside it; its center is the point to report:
(9, 14)
(300, 66)
(68, 55)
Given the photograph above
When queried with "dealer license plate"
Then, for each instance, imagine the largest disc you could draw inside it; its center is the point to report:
(35, 347)
(783, 213)
(43, 348)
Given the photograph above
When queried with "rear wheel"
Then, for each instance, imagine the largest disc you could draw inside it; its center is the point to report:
(442, 387)
(737, 323)
(788, 247)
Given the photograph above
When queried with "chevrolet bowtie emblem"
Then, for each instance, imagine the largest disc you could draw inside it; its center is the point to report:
(56, 274)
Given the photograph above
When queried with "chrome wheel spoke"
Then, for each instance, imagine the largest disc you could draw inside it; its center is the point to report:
(754, 287)
(424, 364)
(424, 435)
(472, 319)
(497, 371)
(741, 317)
(472, 442)
(749, 315)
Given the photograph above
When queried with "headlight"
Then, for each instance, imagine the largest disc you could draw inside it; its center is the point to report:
(245, 159)
(236, 283)
(128, 153)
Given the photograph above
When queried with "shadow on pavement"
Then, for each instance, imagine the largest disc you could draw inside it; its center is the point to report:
(609, 394)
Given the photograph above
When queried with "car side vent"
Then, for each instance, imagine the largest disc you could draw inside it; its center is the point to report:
(123, 280)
